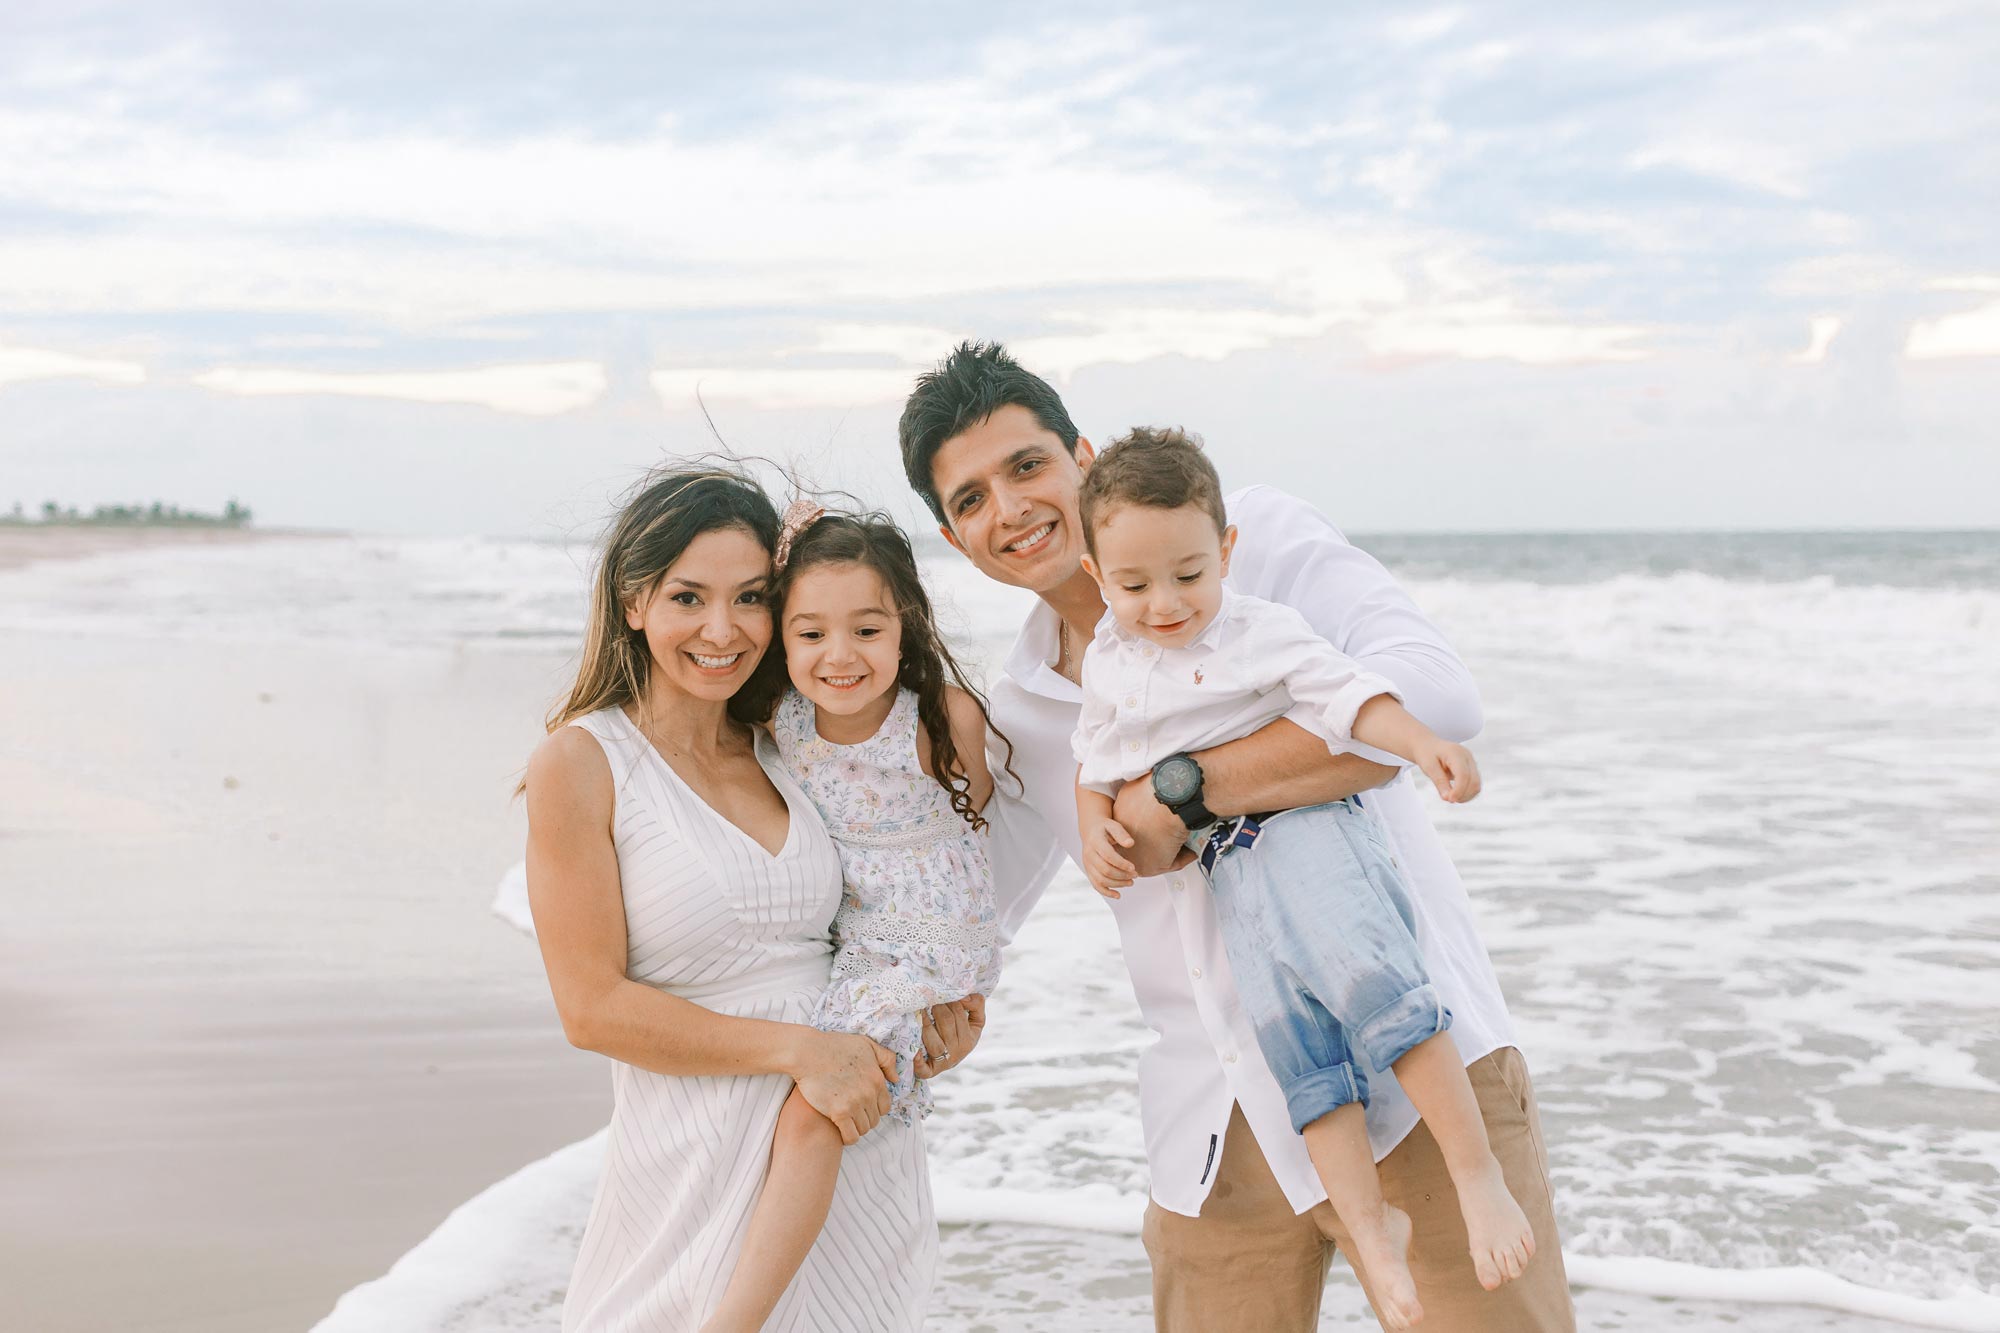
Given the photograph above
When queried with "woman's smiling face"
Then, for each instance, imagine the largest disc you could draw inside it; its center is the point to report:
(706, 621)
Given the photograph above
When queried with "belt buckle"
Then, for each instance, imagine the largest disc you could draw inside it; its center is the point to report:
(1241, 831)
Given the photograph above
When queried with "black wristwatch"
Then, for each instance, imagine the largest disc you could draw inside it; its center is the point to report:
(1177, 785)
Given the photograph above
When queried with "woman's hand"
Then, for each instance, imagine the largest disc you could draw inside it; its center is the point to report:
(846, 1078)
(951, 1030)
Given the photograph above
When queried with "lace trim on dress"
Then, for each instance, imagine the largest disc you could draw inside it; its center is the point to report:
(871, 928)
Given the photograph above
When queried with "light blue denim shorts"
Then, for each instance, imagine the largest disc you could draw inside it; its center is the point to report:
(1320, 934)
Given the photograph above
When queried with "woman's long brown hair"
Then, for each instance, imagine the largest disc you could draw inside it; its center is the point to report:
(874, 541)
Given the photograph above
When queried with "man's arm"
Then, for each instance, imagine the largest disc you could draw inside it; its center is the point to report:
(1280, 766)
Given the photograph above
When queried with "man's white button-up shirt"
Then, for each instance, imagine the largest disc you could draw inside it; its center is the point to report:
(1254, 663)
(1206, 1056)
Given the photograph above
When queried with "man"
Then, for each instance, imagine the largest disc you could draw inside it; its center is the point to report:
(1238, 1228)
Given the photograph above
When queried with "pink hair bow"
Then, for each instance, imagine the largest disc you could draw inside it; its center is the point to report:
(799, 515)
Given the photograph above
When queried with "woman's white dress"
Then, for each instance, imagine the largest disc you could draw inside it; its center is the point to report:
(711, 916)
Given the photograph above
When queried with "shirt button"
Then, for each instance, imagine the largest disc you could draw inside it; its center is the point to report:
(1131, 701)
(1177, 883)
(1131, 745)
(1196, 974)
(1230, 1058)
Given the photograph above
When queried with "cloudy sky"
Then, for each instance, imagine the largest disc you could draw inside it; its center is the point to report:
(464, 267)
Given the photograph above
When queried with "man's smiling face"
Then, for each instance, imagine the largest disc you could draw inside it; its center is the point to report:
(1008, 488)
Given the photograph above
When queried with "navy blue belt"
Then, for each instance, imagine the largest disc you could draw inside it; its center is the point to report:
(1242, 831)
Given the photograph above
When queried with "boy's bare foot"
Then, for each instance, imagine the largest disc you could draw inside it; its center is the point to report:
(1502, 1242)
(1384, 1254)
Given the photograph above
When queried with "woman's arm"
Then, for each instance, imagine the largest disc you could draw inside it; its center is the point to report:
(579, 911)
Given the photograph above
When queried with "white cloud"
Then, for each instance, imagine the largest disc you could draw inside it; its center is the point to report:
(18, 364)
(681, 388)
(1966, 333)
(530, 390)
(1498, 332)
(1421, 27)
(1765, 167)
(910, 344)
(1823, 327)
(970, 191)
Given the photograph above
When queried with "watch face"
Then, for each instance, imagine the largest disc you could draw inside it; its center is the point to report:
(1176, 780)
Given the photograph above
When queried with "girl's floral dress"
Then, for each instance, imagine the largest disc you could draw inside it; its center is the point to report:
(916, 924)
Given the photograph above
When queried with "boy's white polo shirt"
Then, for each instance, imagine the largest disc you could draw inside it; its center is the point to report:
(1253, 663)
(1206, 1056)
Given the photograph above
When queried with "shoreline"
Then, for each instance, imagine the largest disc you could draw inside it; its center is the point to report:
(26, 544)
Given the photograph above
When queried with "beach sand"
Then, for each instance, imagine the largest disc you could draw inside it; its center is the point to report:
(28, 543)
(258, 1033)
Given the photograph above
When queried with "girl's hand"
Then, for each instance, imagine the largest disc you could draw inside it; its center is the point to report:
(950, 1031)
(846, 1078)
(1103, 862)
(1451, 769)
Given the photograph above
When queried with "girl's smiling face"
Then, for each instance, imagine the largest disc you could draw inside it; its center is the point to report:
(843, 639)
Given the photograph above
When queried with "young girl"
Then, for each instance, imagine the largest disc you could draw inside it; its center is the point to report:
(883, 732)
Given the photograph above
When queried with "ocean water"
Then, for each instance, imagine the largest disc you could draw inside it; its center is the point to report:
(1738, 865)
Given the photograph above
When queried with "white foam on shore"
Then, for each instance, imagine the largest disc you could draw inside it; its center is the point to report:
(498, 1260)
(510, 900)
(517, 1236)
(512, 1215)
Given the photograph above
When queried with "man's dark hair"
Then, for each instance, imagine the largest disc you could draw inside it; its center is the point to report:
(1161, 468)
(970, 385)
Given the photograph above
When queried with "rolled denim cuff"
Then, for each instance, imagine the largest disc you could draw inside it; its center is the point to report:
(1387, 1035)
(1323, 1090)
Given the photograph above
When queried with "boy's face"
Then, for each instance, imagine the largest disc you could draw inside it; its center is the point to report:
(1161, 570)
(1008, 490)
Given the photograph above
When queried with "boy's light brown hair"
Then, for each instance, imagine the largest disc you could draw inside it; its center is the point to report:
(1161, 467)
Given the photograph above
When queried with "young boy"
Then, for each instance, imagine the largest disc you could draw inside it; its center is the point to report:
(1316, 921)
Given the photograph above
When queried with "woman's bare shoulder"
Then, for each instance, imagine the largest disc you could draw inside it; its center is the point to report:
(569, 770)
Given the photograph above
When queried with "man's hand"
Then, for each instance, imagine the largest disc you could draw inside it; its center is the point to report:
(1103, 861)
(1450, 767)
(950, 1030)
(1159, 839)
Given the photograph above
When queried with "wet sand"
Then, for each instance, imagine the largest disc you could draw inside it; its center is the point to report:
(28, 543)
(258, 1031)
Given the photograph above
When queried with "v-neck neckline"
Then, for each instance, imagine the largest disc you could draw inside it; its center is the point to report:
(777, 784)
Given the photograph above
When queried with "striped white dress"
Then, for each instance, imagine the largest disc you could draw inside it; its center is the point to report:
(710, 915)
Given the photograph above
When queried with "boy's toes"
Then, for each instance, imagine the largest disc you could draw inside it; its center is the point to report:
(1400, 1307)
(1489, 1273)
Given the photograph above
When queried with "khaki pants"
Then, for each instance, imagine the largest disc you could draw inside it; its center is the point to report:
(1249, 1264)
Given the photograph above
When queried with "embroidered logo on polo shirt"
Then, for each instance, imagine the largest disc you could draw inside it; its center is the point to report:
(1197, 675)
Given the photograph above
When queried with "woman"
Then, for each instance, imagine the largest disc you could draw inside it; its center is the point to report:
(682, 889)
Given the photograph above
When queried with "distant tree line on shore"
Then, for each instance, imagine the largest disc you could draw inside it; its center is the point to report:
(155, 515)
